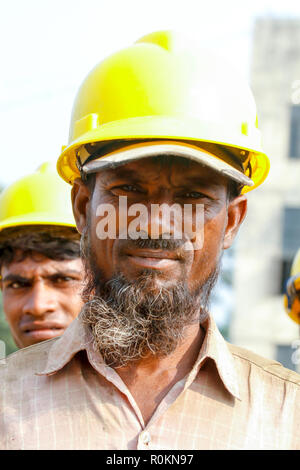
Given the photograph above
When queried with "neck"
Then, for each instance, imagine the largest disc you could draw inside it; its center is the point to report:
(151, 378)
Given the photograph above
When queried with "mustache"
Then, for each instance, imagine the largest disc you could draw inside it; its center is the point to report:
(156, 243)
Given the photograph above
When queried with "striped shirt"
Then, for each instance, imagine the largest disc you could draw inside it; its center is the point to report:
(59, 394)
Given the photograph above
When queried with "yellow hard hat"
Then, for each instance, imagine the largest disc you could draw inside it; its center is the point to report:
(292, 294)
(41, 198)
(161, 88)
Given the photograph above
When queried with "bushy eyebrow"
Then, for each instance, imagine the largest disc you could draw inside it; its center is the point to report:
(66, 273)
(15, 278)
(132, 175)
(201, 181)
(127, 174)
(18, 278)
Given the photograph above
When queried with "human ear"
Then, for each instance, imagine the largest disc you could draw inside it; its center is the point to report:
(80, 195)
(236, 212)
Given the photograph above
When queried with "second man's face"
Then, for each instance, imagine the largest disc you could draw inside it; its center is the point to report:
(41, 297)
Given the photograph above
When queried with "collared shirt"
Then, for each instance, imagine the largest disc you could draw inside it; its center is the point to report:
(59, 394)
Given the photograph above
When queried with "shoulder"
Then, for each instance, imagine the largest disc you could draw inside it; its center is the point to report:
(26, 361)
(267, 367)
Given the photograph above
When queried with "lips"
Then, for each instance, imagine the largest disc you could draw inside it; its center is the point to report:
(156, 259)
(159, 254)
(42, 330)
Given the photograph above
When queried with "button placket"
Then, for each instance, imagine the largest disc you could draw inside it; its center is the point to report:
(145, 439)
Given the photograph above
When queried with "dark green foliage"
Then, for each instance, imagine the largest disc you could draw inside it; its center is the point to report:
(5, 333)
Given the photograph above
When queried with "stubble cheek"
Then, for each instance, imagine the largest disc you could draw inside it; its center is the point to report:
(71, 302)
(207, 258)
(102, 245)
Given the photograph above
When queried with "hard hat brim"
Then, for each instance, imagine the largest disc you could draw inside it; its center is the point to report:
(156, 127)
(178, 149)
(36, 219)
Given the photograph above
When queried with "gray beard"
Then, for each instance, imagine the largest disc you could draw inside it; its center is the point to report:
(131, 320)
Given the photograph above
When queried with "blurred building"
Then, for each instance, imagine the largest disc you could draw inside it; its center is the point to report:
(270, 234)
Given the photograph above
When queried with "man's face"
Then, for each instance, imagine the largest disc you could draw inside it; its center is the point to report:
(146, 182)
(41, 297)
(144, 293)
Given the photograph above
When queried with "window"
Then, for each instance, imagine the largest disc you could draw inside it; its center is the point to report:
(284, 355)
(285, 273)
(294, 150)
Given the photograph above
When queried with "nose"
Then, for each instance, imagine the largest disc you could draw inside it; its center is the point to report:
(40, 300)
(165, 218)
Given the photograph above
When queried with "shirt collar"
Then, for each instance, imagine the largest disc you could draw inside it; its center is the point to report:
(215, 347)
(78, 337)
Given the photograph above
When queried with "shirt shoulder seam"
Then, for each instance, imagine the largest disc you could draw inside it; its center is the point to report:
(38, 346)
(286, 379)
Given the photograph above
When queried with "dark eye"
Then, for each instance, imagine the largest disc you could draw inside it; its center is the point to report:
(17, 285)
(128, 187)
(62, 279)
(194, 195)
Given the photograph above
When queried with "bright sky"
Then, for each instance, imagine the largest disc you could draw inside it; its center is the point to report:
(49, 46)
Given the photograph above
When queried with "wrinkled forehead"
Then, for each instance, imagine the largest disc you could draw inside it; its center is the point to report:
(20, 261)
(178, 170)
(34, 263)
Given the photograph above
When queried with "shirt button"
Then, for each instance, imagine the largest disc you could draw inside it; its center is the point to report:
(145, 437)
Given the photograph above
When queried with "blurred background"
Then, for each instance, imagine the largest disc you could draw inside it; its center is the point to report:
(48, 47)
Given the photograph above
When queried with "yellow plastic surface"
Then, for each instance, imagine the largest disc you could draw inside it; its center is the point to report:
(41, 198)
(161, 87)
(293, 310)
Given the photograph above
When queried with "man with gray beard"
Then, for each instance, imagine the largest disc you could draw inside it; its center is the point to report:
(129, 319)
(159, 181)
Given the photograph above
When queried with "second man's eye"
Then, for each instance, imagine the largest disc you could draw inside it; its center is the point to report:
(61, 279)
(18, 285)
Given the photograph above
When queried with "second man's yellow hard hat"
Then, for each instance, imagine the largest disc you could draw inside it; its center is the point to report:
(41, 198)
